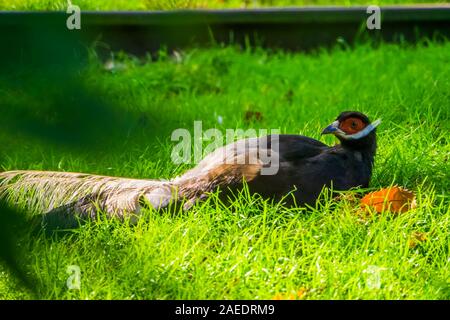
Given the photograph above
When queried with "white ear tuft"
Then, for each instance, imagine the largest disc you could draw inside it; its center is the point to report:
(376, 123)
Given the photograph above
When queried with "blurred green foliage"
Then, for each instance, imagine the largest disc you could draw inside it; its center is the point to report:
(45, 99)
(186, 4)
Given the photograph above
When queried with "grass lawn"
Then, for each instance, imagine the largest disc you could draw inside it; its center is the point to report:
(254, 249)
(184, 4)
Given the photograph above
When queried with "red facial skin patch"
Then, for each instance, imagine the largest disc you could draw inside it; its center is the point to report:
(352, 125)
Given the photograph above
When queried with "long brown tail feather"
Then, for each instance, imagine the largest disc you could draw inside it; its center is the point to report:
(79, 194)
(46, 191)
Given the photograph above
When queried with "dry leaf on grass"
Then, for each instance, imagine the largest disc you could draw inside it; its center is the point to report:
(416, 238)
(394, 199)
(253, 116)
(291, 296)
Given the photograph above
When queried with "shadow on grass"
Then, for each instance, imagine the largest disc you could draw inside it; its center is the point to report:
(46, 100)
(13, 231)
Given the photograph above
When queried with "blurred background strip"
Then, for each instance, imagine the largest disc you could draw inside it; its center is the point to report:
(139, 32)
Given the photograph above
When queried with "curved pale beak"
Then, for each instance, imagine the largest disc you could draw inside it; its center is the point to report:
(332, 128)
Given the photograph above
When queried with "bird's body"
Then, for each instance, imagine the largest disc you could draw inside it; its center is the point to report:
(304, 167)
(307, 166)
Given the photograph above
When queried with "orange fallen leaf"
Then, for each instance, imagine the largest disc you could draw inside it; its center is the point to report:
(416, 238)
(395, 199)
(253, 116)
(291, 296)
(278, 296)
(301, 292)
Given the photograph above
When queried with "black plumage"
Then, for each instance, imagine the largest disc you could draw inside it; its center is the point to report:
(304, 167)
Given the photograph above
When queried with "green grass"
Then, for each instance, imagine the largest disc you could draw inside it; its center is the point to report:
(186, 4)
(254, 249)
